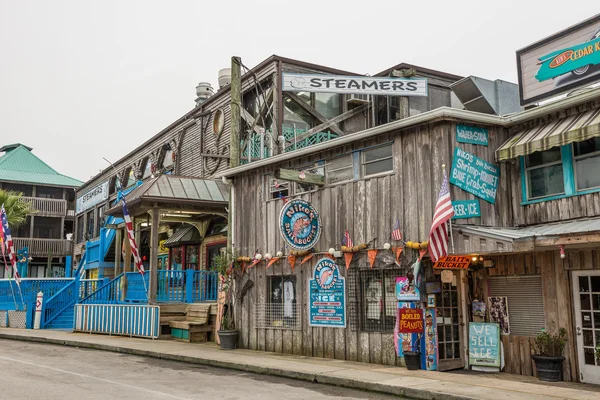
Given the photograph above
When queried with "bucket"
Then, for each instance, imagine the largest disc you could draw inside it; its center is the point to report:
(413, 360)
(228, 339)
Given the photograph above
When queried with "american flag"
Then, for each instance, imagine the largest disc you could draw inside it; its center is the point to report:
(8, 242)
(347, 240)
(396, 234)
(438, 235)
(130, 235)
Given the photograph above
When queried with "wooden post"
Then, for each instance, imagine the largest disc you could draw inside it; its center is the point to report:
(234, 146)
(118, 246)
(154, 255)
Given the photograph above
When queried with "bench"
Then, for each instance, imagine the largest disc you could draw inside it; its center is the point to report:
(195, 327)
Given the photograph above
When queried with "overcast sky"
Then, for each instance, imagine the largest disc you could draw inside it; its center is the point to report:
(81, 80)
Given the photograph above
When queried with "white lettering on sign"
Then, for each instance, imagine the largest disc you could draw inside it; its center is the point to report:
(92, 197)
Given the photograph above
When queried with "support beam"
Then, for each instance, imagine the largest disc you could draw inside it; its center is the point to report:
(118, 246)
(311, 110)
(154, 254)
(294, 176)
(335, 120)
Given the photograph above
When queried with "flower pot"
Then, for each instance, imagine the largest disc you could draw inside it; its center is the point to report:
(228, 339)
(413, 360)
(549, 368)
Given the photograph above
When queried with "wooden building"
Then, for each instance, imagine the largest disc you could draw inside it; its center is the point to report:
(544, 202)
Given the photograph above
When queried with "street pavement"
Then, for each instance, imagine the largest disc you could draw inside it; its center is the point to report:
(47, 372)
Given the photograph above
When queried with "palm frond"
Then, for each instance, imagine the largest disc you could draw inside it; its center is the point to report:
(17, 209)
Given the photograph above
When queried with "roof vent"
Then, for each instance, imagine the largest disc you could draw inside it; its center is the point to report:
(224, 77)
(489, 97)
(204, 90)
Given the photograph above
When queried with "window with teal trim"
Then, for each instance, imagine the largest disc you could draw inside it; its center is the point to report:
(587, 164)
(544, 172)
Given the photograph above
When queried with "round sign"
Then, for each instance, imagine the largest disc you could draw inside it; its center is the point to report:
(327, 274)
(299, 225)
(218, 122)
(447, 276)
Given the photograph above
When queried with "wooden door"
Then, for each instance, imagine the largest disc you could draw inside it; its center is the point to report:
(450, 324)
(586, 295)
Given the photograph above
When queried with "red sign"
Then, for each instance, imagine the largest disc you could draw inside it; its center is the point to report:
(411, 320)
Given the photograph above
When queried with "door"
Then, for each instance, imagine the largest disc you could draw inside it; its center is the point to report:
(586, 293)
(450, 324)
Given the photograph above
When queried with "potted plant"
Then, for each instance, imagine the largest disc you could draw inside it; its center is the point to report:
(226, 266)
(413, 358)
(548, 354)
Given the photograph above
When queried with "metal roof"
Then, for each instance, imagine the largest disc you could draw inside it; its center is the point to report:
(185, 235)
(578, 226)
(18, 164)
(178, 190)
(574, 128)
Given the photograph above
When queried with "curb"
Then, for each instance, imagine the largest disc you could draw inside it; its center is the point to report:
(303, 376)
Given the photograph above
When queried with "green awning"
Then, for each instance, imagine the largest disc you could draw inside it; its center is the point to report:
(571, 129)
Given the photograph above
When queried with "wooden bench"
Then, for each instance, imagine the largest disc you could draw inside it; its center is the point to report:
(196, 326)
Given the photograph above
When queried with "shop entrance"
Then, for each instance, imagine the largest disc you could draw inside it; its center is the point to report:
(449, 323)
(586, 293)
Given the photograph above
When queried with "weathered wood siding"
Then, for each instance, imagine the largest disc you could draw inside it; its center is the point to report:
(367, 208)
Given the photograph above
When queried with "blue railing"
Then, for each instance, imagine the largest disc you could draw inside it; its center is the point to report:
(187, 286)
(89, 286)
(118, 319)
(53, 306)
(29, 289)
(109, 293)
(171, 286)
(137, 286)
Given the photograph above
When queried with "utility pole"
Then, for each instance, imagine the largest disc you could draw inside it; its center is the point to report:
(234, 145)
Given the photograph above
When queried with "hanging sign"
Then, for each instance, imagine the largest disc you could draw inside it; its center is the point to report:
(299, 224)
(161, 247)
(474, 175)
(406, 291)
(453, 262)
(411, 320)
(466, 209)
(447, 276)
(322, 83)
(327, 296)
(484, 344)
(92, 197)
(471, 135)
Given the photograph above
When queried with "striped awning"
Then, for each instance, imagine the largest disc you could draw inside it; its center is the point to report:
(575, 128)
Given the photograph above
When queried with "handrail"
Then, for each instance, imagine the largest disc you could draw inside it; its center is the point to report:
(109, 293)
(47, 207)
(56, 304)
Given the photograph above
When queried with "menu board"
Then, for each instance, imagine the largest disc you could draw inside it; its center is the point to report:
(484, 344)
(474, 175)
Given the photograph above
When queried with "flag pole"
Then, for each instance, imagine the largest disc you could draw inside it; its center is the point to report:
(9, 278)
(450, 221)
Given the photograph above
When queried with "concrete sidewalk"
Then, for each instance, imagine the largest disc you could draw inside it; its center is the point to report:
(391, 380)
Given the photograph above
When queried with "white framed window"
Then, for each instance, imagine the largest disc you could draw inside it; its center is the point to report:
(586, 156)
(544, 174)
(277, 188)
(377, 160)
(339, 169)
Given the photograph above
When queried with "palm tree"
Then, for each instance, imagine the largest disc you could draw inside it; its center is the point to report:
(17, 209)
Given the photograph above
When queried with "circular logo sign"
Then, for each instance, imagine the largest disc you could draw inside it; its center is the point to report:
(326, 274)
(299, 224)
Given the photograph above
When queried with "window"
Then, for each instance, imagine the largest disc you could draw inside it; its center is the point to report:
(90, 224)
(168, 157)
(525, 302)
(130, 178)
(147, 168)
(372, 298)
(278, 189)
(339, 169)
(327, 104)
(281, 311)
(544, 172)
(79, 229)
(101, 216)
(309, 169)
(587, 163)
(377, 160)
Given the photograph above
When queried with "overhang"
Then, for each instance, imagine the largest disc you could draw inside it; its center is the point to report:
(176, 192)
(187, 234)
(574, 128)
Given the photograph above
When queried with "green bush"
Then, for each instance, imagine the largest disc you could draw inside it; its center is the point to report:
(550, 345)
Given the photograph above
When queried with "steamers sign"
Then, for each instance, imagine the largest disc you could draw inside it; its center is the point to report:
(385, 86)
(299, 225)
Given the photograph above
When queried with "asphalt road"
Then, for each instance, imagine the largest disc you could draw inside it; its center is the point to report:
(30, 371)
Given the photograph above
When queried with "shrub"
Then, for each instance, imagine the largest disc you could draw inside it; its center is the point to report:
(550, 345)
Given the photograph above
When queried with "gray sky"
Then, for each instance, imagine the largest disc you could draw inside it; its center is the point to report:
(81, 80)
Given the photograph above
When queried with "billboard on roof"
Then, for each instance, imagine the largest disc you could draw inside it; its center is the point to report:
(565, 61)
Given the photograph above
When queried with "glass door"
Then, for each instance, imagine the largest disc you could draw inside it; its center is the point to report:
(449, 324)
(586, 293)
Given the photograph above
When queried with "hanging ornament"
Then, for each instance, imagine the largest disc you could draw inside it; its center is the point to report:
(387, 246)
(272, 261)
(276, 184)
(268, 256)
(302, 175)
(279, 254)
(398, 251)
(292, 261)
(308, 257)
(372, 254)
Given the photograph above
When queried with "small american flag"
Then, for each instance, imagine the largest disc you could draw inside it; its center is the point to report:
(396, 234)
(131, 236)
(347, 240)
(438, 235)
(8, 242)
